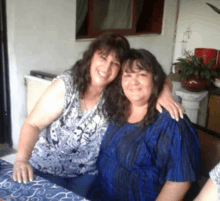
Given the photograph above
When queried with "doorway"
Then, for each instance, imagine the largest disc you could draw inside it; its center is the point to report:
(5, 112)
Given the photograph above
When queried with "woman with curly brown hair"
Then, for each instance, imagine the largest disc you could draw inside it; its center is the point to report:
(70, 118)
(145, 155)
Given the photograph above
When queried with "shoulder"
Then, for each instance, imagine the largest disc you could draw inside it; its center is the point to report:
(66, 75)
(56, 89)
(67, 79)
(165, 126)
(166, 121)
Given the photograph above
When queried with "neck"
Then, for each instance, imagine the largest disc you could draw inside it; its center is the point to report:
(90, 98)
(138, 112)
(93, 92)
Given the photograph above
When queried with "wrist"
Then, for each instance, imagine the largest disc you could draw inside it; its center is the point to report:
(22, 158)
(168, 84)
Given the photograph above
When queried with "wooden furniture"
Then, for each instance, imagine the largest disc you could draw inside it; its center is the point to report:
(213, 118)
(210, 156)
(210, 149)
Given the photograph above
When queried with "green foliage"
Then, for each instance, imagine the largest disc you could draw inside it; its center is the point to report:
(214, 8)
(193, 65)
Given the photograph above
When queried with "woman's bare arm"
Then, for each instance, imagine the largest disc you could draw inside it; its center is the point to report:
(167, 101)
(208, 192)
(174, 191)
(46, 110)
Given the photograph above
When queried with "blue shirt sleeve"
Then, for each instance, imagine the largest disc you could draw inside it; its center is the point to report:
(183, 154)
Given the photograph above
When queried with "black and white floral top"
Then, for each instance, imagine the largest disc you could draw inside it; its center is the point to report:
(215, 176)
(69, 146)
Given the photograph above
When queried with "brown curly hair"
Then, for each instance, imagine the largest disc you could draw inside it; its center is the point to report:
(106, 42)
(117, 107)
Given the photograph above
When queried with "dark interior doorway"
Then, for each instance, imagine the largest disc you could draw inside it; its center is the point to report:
(5, 112)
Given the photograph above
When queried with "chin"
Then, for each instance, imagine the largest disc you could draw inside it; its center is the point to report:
(100, 84)
(135, 99)
(138, 101)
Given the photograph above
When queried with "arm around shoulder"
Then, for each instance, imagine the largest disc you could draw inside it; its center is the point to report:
(167, 101)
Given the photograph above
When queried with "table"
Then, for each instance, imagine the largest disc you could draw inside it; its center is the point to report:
(38, 190)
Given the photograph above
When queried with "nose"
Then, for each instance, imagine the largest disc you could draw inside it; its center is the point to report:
(107, 67)
(134, 80)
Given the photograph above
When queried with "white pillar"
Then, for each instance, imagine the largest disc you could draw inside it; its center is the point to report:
(190, 102)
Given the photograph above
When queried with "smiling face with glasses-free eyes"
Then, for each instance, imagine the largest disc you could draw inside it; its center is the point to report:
(104, 68)
(137, 84)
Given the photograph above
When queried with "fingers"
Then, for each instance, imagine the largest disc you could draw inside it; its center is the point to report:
(159, 108)
(22, 172)
(167, 101)
(15, 175)
(180, 109)
(171, 109)
(30, 174)
(177, 111)
(19, 177)
(174, 108)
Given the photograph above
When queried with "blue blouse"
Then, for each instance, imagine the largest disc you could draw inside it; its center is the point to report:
(134, 162)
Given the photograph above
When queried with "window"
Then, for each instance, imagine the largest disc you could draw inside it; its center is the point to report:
(126, 17)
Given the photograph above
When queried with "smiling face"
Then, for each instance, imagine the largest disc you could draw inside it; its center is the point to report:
(103, 69)
(137, 84)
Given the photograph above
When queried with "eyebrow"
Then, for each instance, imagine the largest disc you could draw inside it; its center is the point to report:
(106, 54)
(102, 52)
(117, 61)
(129, 70)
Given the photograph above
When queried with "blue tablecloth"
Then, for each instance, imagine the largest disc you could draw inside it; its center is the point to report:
(38, 190)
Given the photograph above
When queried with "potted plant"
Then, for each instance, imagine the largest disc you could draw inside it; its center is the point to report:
(195, 75)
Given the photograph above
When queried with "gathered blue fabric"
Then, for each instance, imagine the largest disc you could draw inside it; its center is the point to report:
(135, 162)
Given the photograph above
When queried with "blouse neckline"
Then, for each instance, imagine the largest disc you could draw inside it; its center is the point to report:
(91, 110)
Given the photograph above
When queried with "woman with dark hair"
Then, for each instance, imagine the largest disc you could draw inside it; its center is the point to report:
(67, 124)
(145, 155)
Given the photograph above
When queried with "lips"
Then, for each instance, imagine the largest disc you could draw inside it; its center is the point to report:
(102, 74)
(135, 89)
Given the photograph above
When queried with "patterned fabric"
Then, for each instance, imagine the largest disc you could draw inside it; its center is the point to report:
(39, 190)
(135, 163)
(215, 176)
(70, 145)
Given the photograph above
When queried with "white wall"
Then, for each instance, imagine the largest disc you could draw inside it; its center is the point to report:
(41, 36)
(203, 22)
